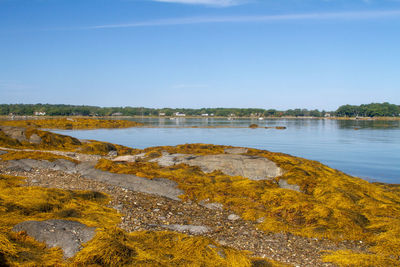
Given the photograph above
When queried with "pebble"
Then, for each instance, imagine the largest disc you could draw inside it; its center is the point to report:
(233, 217)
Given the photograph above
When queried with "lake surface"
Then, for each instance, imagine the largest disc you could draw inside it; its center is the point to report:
(367, 149)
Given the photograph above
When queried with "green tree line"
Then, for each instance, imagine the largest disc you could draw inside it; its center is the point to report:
(369, 110)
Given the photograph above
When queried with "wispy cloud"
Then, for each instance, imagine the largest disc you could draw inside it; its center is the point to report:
(252, 19)
(218, 3)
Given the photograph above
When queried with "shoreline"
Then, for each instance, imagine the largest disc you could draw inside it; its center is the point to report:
(207, 187)
(24, 117)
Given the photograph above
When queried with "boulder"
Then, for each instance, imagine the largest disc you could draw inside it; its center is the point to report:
(17, 133)
(68, 235)
(35, 139)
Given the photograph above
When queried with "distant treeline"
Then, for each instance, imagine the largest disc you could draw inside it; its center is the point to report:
(370, 110)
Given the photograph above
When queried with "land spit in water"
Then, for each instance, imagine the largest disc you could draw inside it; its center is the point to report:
(284, 208)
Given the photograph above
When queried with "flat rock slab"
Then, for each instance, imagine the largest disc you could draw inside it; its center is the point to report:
(192, 229)
(28, 164)
(157, 186)
(167, 159)
(252, 167)
(69, 235)
(129, 158)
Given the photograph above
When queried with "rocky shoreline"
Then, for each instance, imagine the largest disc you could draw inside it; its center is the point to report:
(260, 207)
(153, 212)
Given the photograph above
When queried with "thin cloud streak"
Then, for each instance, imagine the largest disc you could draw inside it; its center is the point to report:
(249, 19)
(217, 3)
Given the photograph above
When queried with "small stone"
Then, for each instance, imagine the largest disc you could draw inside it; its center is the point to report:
(233, 217)
(118, 207)
(260, 220)
(156, 210)
(193, 229)
(112, 153)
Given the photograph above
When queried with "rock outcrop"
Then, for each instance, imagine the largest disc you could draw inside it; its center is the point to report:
(69, 235)
(252, 167)
(17, 133)
(157, 186)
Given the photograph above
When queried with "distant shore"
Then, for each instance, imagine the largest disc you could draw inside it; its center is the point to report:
(19, 117)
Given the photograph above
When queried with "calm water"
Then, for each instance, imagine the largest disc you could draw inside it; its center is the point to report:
(367, 149)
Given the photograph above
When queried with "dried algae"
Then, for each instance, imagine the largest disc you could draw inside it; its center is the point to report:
(71, 123)
(110, 246)
(331, 204)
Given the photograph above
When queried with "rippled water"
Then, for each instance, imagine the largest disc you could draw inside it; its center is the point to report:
(367, 149)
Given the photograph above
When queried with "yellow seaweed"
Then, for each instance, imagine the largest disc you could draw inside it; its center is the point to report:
(330, 205)
(71, 123)
(110, 246)
(16, 155)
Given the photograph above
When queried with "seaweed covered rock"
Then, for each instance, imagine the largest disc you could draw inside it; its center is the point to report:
(19, 203)
(252, 167)
(307, 199)
(72, 123)
(17, 133)
(32, 138)
(46, 215)
(69, 235)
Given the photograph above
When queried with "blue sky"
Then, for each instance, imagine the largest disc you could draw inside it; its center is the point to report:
(200, 53)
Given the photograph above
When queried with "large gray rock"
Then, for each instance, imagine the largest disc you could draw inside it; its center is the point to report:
(69, 235)
(17, 133)
(252, 167)
(28, 164)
